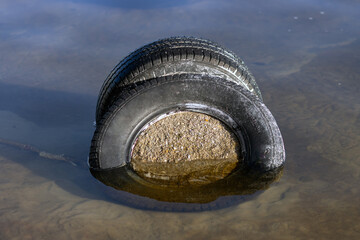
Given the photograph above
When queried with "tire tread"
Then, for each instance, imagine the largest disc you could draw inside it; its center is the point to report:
(172, 49)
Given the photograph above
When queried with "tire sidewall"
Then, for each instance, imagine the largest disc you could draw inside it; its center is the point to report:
(232, 104)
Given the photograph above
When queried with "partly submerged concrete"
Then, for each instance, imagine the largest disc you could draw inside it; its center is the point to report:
(186, 147)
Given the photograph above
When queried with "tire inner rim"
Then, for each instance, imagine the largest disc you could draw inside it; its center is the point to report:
(185, 147)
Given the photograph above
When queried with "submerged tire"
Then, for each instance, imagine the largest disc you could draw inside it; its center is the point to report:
(173, 56)
(140, 103)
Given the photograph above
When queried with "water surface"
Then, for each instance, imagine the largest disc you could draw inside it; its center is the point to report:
(56, 54)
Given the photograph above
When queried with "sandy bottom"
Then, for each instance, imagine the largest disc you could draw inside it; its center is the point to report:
(305, 58)
(317, 196)
(317, 110)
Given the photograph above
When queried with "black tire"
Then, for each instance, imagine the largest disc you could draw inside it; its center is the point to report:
(142, 102)
(172, 56)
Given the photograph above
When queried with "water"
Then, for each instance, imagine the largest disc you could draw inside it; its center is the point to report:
(56, 54)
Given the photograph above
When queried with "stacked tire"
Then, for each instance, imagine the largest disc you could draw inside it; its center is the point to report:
(182, 74)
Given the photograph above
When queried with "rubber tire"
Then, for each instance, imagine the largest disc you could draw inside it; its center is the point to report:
(140, 103)
(172, 56)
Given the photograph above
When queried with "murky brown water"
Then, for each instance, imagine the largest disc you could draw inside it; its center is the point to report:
(56, 54)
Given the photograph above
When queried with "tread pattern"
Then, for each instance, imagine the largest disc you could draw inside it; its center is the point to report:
(169, 50)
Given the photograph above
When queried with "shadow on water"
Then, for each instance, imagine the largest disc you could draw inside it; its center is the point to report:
(47, 108)
(74, 179)
(116, 186)
(58, 110)
(126, 187)
(52, 111)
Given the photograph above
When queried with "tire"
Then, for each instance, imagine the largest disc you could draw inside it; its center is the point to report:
(140, 103)
(172, 56)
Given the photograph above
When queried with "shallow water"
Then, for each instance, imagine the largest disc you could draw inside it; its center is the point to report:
(56, 54)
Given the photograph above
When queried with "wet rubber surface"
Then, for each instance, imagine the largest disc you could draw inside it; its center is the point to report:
(55, 56)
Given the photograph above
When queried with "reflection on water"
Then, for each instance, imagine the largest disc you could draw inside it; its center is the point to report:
(239, 184)
(56, 54)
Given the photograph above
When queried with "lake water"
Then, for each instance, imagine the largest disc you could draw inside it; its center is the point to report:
(56, 54)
